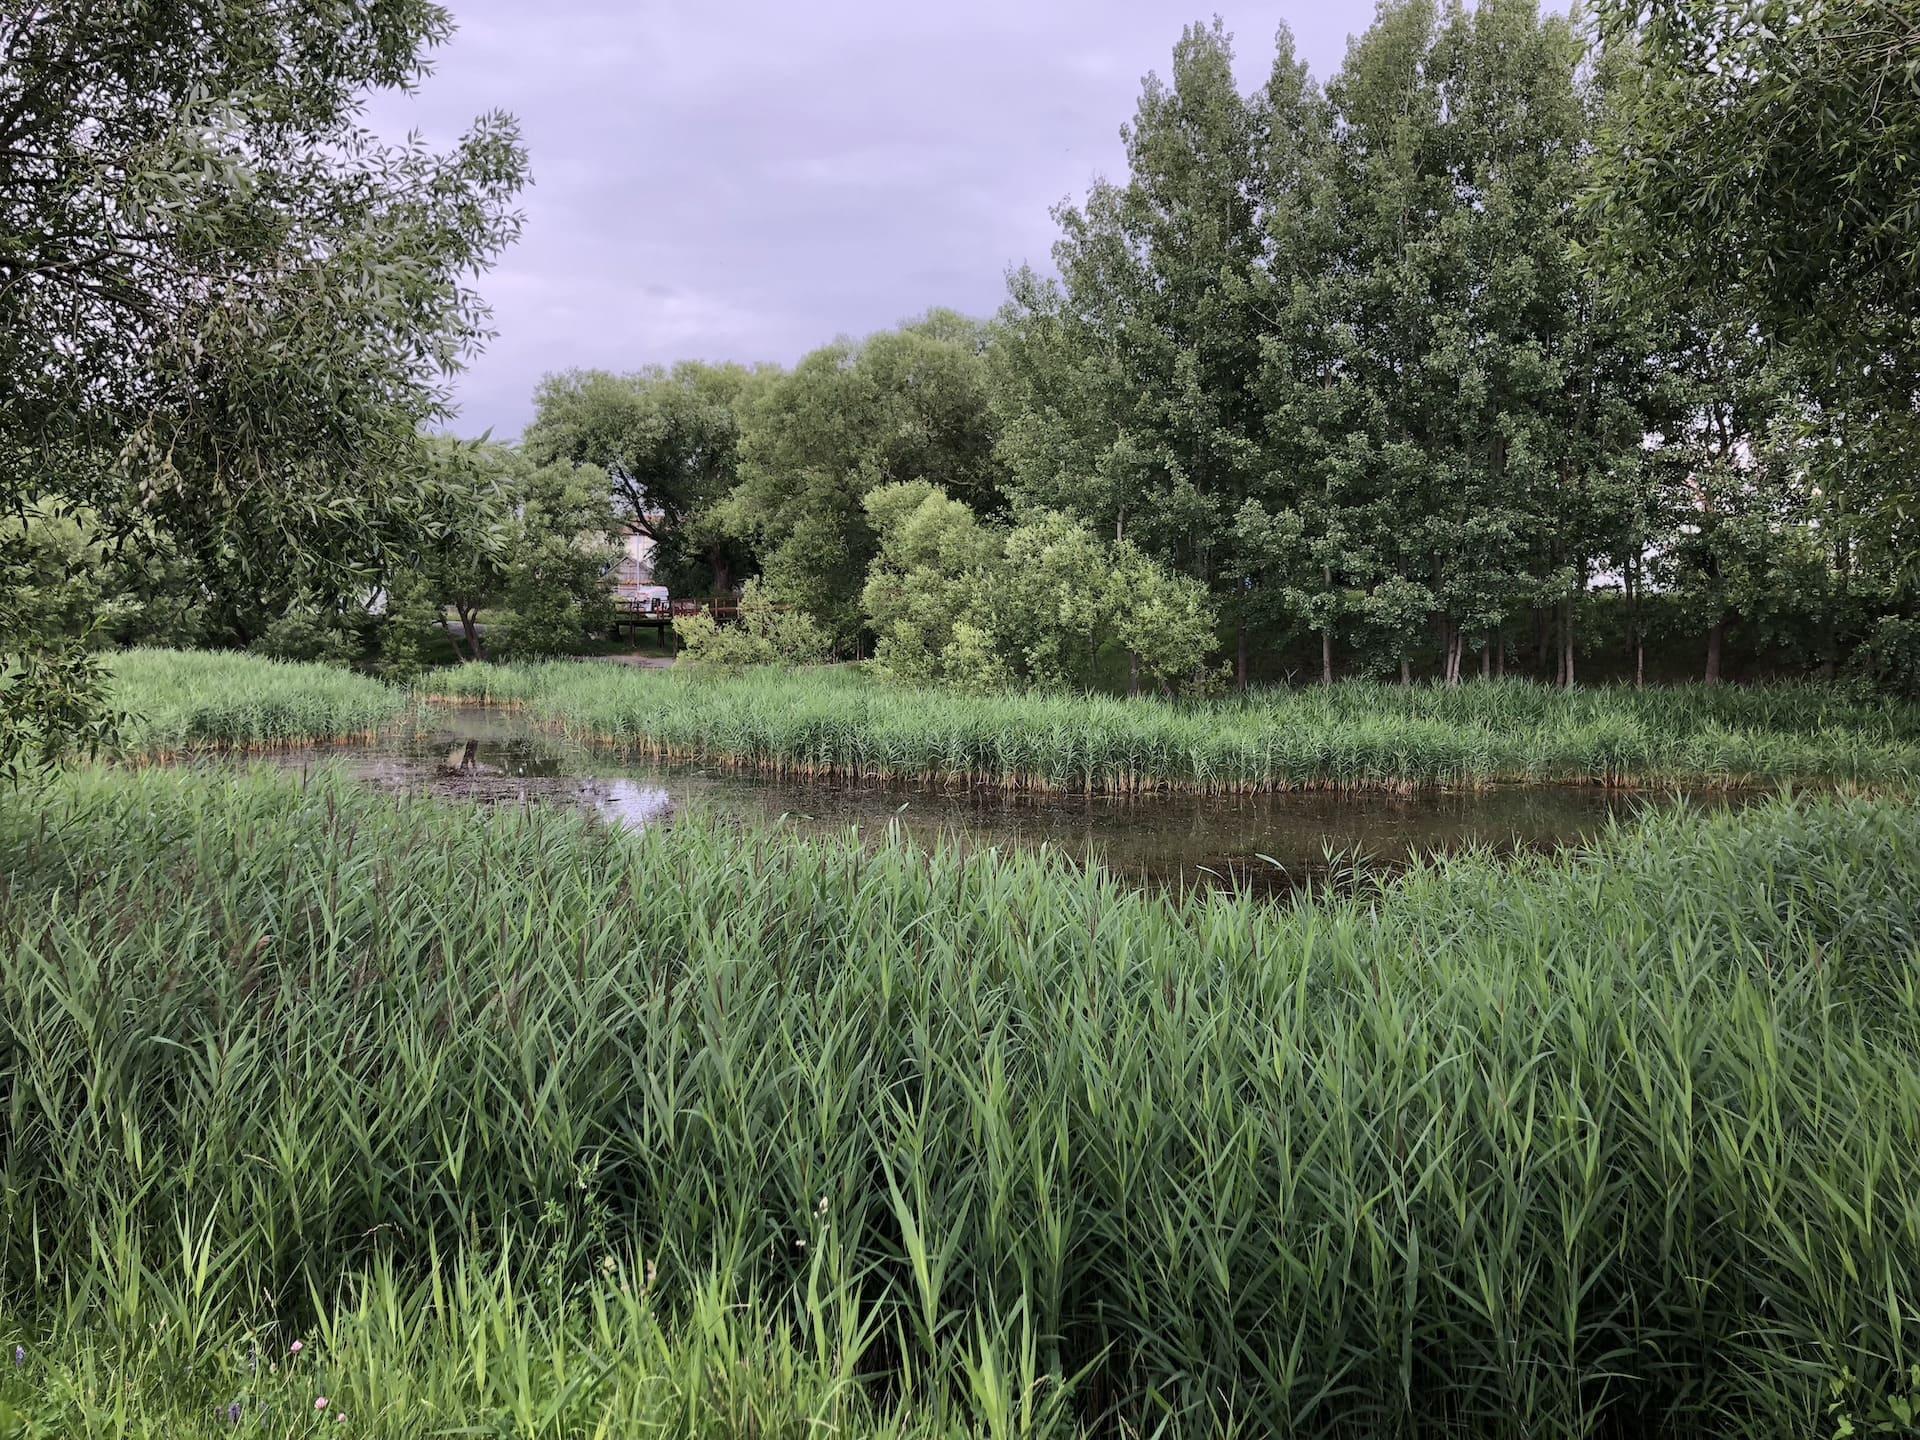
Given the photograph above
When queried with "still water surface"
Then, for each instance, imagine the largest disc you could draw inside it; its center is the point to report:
(1267, 842)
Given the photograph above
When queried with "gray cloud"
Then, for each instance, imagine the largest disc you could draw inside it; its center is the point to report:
(745, 180)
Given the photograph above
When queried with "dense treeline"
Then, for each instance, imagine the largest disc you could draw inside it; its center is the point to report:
(1374, 363)
(1521, 343)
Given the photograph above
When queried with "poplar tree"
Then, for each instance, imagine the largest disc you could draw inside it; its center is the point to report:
(1127, 387)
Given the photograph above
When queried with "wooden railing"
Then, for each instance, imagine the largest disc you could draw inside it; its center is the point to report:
(650, 615)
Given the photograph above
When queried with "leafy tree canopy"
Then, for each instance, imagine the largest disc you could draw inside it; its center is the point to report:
(226, 308)
(1761, 153)
(669, 441)
(906, 404)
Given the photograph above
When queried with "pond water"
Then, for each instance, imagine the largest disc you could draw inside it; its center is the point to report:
(1265, 842)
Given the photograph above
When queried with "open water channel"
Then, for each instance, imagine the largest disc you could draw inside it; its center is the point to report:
(1264, 842)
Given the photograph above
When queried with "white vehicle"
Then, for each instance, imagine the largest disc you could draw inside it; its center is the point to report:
(647, 599)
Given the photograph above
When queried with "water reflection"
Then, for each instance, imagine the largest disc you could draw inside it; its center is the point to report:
(1271, 842)
(631, 802)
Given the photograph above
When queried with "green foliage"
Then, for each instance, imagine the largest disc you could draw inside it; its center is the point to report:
(1070, 595)
(1762, 149)
(937, 573)
(1450, 1155)
(1349, 735)
(226, 310)
(767, 633)
(904, 405)
(311, 630)
(52, 704)
(983, 606)
(1318, 344)
(559, 554)
(409, 627)
(1124, 390)
(669, 441)
(531, 545)
(64, 581)
(164, 166)
(1757, 158)
(1895, 1411)
(1891, 656)
(460, 559)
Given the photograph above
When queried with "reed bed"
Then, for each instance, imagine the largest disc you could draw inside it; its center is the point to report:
(513, 1112)
(173, 701)
(845, 726)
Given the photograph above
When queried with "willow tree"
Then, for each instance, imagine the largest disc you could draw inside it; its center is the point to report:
(226, 308)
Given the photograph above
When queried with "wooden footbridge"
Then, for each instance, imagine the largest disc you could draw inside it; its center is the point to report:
(637, 613)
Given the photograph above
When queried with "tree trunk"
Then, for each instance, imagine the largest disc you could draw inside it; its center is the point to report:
(1566, 644)
(459, 650)
(1716, 645)
(722, 573)
(1636, 642)
(472, 631)
(1406, 672)
(1500, 654)
(1835, 609)
(1133, 673)
(1486, 659)
(1326, 631)
(1240, 655)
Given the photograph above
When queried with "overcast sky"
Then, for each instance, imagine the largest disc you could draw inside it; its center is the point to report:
(746, 179)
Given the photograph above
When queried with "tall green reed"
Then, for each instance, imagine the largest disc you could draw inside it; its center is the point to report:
(1350, 736)
(178, 700)
(467, 1349)
(1621, 1143)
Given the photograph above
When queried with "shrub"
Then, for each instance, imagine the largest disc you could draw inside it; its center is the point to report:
(767, 634)
(315, 633)
(1890, 658)
(974, 606)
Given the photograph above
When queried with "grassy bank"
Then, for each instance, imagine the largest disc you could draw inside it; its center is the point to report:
(1620, 1144)
(177, 700)
(845, 725)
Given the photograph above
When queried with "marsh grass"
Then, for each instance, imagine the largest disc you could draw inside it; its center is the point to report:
(846, 726)
(1613, 1144)
(174, 701)
(465, 1349)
